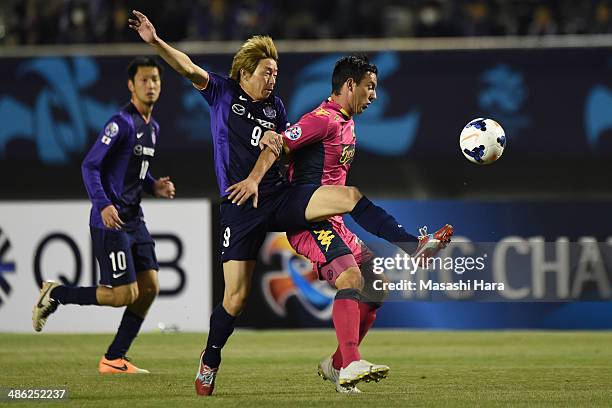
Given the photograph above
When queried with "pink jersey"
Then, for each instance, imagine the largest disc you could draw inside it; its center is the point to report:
(322, 144)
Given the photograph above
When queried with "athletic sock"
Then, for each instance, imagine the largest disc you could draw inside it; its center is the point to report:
(377, 221)
(127, 332)
(367, 316)
(68, 295)
(345, 315)
(221, 328)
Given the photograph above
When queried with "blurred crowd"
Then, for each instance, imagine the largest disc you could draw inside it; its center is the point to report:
(104, 21)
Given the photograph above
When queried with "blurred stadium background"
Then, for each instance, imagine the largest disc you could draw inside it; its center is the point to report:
(540, 68)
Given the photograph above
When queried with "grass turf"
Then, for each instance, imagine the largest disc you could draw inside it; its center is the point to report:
(263, 368)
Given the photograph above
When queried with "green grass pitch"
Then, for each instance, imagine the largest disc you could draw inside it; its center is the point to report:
(265, 368)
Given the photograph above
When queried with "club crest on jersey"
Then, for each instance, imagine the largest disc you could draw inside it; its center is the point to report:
(153, 136)
(269, 111)
(293, 133)
(348, 153)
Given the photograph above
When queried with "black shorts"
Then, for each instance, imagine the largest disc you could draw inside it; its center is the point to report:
(244, 228)
(121, 254)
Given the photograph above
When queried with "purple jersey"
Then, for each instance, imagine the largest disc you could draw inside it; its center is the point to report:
(237, 125)
(116, 169)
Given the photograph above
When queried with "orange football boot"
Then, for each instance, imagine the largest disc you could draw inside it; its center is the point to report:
(119, 366)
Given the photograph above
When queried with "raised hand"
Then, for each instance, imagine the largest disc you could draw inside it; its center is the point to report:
(141, 24)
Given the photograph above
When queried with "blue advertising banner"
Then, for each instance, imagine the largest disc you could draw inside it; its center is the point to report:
(545, 265)
(555, 108)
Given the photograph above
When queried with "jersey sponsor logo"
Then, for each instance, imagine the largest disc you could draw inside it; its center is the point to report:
(140, 150)
(325, 238)
(261, 122)
(238, 109)
(293, 133)
(139, 135)
(348, 153)
(269, 111)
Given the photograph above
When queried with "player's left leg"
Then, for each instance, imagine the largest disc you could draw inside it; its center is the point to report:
(371, 300)
(346, 318)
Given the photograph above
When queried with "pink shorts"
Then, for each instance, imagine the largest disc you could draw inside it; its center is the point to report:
(331, 247)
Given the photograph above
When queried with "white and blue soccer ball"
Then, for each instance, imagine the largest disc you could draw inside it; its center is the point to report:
(482, 141)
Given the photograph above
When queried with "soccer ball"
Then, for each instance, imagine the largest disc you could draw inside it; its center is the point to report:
(482, 141)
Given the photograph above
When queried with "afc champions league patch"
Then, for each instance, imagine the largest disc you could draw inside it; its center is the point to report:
(293, 133)
(269, 111)
(110, 131)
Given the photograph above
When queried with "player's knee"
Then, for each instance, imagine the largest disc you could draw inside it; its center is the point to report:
(353, 195)
(150, 290)
(125, 295)
(350, 279)
(375, 287)
(234, 303)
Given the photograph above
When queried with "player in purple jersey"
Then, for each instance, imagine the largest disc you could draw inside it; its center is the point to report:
(115, 173)
(245, 114)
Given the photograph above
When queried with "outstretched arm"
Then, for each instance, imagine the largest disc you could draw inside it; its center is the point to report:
(178, 60)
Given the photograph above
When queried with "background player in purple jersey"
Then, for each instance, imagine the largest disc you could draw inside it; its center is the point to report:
(243, 108)
(115, 173)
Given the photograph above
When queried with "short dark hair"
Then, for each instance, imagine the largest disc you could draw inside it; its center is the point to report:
(354, 66)
(143, 62)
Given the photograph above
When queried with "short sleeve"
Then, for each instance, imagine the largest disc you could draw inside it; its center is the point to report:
(311, 128)
(216, 86)
(281, 118)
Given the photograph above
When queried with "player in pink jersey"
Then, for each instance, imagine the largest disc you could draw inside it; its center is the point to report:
(322, 145)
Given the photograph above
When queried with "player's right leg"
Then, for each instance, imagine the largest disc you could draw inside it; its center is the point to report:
(117, 278)
(237, 276)
(243, 230)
